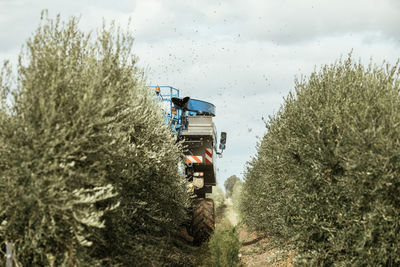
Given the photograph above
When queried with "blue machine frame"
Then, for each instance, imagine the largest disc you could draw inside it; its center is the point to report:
(166, 96)
(175, 117)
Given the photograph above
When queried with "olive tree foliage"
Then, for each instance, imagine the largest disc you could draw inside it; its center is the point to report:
(327, 176)
(88, 170)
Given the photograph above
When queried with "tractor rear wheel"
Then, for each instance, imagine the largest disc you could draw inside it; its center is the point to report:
(203, 222)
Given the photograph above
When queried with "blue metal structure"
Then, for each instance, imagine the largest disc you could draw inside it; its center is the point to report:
(164, 94)
(198, 107)
(176, 117)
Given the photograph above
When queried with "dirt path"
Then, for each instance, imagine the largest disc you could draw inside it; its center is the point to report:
(256, 250)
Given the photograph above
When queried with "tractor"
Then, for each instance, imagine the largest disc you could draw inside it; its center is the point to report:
(192, 121)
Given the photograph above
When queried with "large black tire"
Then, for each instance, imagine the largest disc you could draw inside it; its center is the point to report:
(203, 222)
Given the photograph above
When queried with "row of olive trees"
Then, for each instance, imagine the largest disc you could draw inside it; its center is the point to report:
(326, 176)
(88, 171)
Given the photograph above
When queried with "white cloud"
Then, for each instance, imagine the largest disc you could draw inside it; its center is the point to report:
(293, 21)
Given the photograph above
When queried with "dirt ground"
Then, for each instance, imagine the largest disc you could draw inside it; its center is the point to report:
(257, 250)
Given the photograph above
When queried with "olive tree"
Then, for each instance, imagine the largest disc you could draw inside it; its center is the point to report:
(88, 170)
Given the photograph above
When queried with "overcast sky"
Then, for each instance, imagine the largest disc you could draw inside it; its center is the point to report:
(243, 56)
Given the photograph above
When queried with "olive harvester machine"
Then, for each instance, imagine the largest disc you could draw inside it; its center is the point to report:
(192, 121)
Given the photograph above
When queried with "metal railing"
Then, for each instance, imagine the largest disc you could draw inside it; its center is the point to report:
(173, 117)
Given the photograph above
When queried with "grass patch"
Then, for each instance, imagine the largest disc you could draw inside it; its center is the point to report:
(224, 246)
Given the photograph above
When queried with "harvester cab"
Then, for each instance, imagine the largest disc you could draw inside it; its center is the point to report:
(192, 121)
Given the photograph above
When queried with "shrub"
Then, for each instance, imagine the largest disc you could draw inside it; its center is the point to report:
(224, 246)
(88, 170)
(326, 175)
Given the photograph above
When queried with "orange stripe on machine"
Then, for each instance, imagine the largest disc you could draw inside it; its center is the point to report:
(209, 155)
(194, 159)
